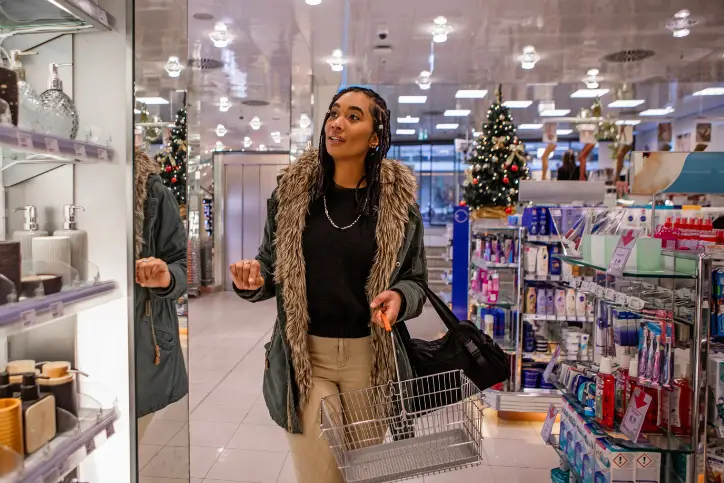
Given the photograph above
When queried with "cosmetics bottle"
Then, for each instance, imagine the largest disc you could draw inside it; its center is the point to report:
(489, 325)
(30, 230)
(542, 262)
(530, 300)
(622, 380)
(30, 105)
(681, 398)
(78, 241)
(560, 302)
(488, 250)
(550, 301)
(533, 228)
(59, 115)
(605, 394)
(555, 263)
(531, 257)
(570, 302)
(541, 301)
(39, 424)
(581, 304)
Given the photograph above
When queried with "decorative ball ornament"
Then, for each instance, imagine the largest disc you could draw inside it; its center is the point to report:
(168, 169)
(506, 180)
(173, 180)
(509, 210)
(475, 181)
(502, 117)
(477, 167)
(463, 203)
(514, 168)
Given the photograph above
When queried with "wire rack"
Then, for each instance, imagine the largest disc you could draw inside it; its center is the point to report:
(405, 429)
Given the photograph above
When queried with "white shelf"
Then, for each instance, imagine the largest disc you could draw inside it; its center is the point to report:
(68, 450)
(31, 313)
(543, 278)
(89, 17)
(559, 318)
(531, 400)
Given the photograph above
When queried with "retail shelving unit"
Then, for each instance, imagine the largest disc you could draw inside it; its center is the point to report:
(87, 323)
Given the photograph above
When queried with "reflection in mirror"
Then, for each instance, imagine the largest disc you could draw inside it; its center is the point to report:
(160, 248)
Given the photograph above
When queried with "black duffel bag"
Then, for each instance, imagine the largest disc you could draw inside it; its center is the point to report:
(463, 348)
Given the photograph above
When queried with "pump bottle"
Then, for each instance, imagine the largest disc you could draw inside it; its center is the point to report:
(78, 241)
(605, 394)
(30, 230)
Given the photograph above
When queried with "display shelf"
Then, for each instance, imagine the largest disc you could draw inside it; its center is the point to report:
(71, 16)
(564, 318)
(535, 400)
(486, 265)
(64, 453)
(628, 273)
(542, 278)
(544, 238)
(503, 304)
(554, 443)
(31, 313)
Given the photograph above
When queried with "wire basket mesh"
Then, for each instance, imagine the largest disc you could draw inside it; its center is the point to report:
(405, 429)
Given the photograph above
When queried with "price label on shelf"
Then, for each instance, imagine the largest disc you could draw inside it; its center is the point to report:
(90, 446)
(621, 298)
(599, 291)
(110, 430)
(56, 309)
(29, 318)
(80, 151)
(51, 145)
(610, 294)
(587, 286)
(576, 282)
(550, 421)
(102, 154)
(550, 317)
(555, 278)
(102, 16)
(638, 406)
(25, 140)
(636, 303)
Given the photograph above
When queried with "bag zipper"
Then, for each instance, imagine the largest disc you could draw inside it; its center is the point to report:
(157, 349)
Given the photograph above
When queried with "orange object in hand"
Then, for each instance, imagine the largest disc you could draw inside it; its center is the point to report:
(385, 321)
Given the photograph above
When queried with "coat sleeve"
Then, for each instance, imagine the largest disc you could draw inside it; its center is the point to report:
(265, 259)
(413, 272)
(171, 246)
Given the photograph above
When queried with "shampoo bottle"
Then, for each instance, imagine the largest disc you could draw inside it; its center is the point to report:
(605, 394)
(78, 241)
(30, 230)
(681, 398)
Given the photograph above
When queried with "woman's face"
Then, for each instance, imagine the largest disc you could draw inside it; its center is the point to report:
(349, 132)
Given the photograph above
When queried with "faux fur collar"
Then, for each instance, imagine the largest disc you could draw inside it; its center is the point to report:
(399, 190)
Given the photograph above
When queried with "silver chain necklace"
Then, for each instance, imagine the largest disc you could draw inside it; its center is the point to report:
(326, 212)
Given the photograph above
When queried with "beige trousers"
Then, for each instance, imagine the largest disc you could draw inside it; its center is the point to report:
(338, 366)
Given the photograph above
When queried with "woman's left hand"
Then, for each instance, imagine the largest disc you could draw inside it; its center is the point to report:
(152, 272)
(389, 302)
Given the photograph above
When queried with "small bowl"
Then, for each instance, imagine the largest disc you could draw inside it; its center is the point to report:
(51, 284)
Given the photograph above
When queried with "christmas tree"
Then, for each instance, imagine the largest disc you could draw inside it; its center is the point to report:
(497, 164)
(173, 159)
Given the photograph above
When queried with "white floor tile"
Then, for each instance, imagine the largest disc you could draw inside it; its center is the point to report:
(202, 460)
(223, 412)
(197, 393)
(505, 474)
(181, 439)
(170, 462)
(258, 437)
(259, 414)
(160, 432)
(519, 453)
(146, 452)
(287, 475)
(150, 479)
(501, 429)
(475, 474)
(248, 466)
(206, 376)
(212, 434)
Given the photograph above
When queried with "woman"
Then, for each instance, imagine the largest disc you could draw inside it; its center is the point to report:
(343, 242)
(160, 253)
(568, 170)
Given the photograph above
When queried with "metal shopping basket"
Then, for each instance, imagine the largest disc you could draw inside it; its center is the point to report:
(405, 429)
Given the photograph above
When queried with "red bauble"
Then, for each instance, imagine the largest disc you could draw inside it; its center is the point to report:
(168, 169)
(475, 180)
(463, 203)
(506, 180)
(173, 180)
(514, 168)
(509, 210)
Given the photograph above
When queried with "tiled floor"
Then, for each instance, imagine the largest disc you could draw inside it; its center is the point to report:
(232, 438)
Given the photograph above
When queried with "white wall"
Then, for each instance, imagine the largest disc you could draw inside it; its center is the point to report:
(687, 125)
(103, 86)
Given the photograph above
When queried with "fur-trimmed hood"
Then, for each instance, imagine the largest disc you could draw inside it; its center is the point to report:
(294, 196)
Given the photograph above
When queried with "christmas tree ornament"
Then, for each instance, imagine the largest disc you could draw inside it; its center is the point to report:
(173, 159)
(463, 203)
(509, 210)
(506, 180)
(475, 181)
(514, 168)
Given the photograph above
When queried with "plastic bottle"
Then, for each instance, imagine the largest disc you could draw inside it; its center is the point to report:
(681, 398)
(605, 394)
(667, 235)
(622, 380)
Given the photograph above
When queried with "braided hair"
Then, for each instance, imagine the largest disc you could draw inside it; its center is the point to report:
(373, 160)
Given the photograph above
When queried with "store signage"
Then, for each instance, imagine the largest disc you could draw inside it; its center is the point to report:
(622, 252)
(551, 364)
(547, 429)
(638, 406)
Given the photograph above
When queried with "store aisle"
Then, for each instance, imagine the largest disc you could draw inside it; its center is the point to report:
(232, 438)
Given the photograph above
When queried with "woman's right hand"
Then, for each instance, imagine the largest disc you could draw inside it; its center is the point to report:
(247, 275)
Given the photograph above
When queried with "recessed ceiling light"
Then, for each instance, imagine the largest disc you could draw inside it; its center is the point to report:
(337, 61)
(530, 127)
(457, 112)
(304, 121)
(529, 58)
(151, 100)
(447, 126)
(657, 112)
(423, 80)
(224, 104)
(408, 120)
(412, 99)
(564, 132)
(588, 93)
(471, 94)
(626, 103)
(555, 112)
(220, 36)
(517, 104)
(221, 130)
(710, 91)
(679, 33)
(173, 66)
(262, 147)
(255, 123)
(219, 146)
(276, 137)
(247, 142)
(628, 122)
(440, 30)
(405, 132)
(313, 2)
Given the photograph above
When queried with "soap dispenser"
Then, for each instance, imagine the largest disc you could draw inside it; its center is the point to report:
(39, 423)
(30, 230)
(30, 105)
(78, 241)
(59, 115)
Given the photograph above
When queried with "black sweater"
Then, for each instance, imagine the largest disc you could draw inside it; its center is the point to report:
(338, 264)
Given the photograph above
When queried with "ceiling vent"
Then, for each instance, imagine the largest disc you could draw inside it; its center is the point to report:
(383, 49)
(629, 56)
(203, 16)
(255, 103)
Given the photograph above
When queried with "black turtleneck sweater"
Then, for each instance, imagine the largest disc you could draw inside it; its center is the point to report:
(338, 264)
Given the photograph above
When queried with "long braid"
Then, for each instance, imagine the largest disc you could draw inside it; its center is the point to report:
(373, 160)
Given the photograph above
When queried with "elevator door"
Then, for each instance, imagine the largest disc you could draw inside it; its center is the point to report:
(250, 181)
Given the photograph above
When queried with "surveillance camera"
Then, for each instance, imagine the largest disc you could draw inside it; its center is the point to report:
(383, 33)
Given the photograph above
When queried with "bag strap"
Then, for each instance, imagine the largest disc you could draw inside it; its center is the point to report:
(447, 316)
